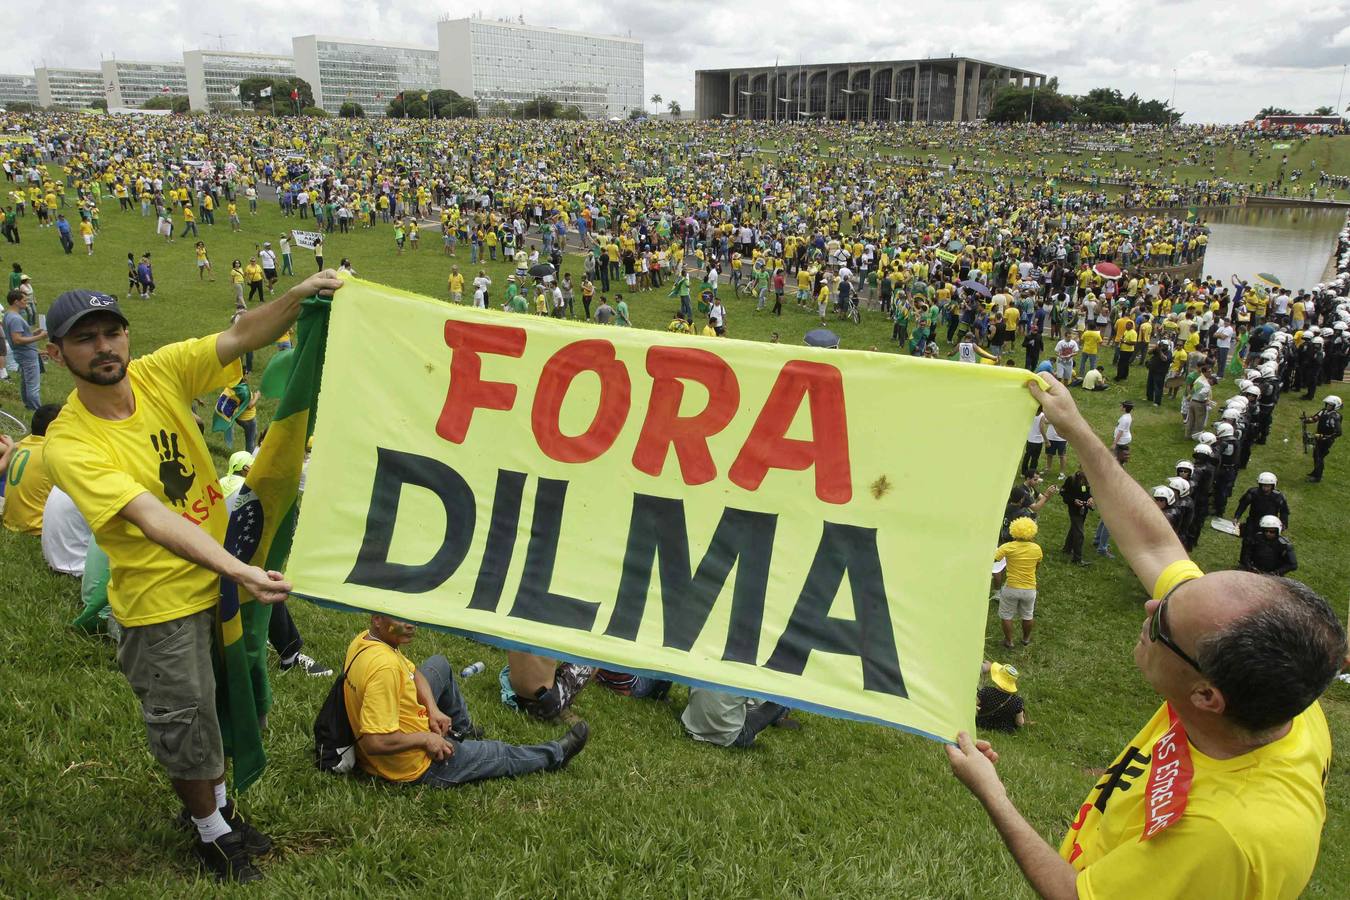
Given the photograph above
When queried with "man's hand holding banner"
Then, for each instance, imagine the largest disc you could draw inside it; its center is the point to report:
(812, 526)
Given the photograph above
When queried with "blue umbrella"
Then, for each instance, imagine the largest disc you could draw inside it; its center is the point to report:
(971, 284)
(822, 337)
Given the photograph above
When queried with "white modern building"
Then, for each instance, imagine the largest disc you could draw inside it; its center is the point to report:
(494, 61)
(129, 83)
(213, 76)
(18, 89)
(68, 88)
(371, 73)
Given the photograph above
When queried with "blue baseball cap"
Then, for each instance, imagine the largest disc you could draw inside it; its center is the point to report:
(72, 306)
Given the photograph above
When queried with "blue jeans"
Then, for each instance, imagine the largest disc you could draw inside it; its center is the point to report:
(30, 374)
(476, 760)
(250, 435)
(1086, 363)
(757, 718)
(1102, 541)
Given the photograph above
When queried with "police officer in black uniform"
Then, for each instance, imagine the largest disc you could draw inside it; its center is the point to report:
(1202, 485)
(1228, 451)
(1259, 501)
(1271, 553)
(1328, 421)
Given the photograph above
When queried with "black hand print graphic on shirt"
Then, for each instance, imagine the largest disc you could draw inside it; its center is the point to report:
(174, 476)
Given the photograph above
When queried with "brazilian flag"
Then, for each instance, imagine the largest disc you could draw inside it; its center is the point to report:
(259, 534)
(1192, 214)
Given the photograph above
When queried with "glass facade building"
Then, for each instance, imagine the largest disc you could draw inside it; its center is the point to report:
(950, 89)
(370, 73)
(129, 84)
(213, 76)
(18, 89)
(68, 88)
(496, 61)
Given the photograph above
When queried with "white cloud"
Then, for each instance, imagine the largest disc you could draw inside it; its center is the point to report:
(1230, 59)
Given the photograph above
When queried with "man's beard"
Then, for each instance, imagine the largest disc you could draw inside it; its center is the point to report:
(94, 376)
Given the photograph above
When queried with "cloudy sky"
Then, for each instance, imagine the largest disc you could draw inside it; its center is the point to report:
(1230, 59)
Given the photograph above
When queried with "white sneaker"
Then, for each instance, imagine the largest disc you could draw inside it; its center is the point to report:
(308, 664)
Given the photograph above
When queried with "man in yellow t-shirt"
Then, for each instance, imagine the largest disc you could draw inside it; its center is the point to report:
(412, 726)
(456, 285)
(1222, 792)
(1089, 342)
(128, 452)
(28, 482)
(1017, 597)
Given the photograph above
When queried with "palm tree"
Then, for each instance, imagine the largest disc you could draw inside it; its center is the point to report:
(674, 107)
(656, 101)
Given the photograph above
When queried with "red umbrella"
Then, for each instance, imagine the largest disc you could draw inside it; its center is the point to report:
(1107, 270)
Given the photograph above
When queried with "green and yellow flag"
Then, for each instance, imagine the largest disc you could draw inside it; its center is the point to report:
(260, 533)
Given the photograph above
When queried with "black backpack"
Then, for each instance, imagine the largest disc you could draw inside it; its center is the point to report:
(334, 741)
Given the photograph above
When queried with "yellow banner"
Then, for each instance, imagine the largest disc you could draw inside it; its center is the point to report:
(945, 255)
(654, 181)
(815, 526)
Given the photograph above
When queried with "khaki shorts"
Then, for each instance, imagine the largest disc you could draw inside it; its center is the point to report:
(1016, 603)
(169, 667)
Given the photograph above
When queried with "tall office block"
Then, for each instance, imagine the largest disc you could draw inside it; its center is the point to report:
(68, 88)
(362, 71)
(129, 83)
(18, 89)
(509, 62)
(213, 76)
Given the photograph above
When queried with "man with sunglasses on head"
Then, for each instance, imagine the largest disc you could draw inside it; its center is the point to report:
(1221, 793)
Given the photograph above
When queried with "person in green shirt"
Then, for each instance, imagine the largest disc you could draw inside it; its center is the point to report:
(621, 312)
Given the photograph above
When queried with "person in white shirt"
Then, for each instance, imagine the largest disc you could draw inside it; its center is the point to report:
(1065, 352)
(480, 289)
(1122, 437)
(1031, 454)
(65, 534)
(1223, 342)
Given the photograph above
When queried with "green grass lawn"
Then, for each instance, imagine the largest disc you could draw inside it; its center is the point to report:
(835, 809)
(1147, 156)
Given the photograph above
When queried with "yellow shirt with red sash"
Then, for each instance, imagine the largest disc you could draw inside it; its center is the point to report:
(1167, 821)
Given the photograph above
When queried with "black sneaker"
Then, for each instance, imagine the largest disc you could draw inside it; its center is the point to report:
(472, 733)
(573, 742)
(255, 842)
(226, 858)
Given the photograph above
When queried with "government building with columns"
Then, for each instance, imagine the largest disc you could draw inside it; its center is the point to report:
(951, 89)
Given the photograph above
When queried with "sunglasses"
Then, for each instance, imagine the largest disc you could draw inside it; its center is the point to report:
(1158, 632)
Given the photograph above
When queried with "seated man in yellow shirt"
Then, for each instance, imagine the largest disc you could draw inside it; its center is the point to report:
(1221, 793)
(411, 723)
(29, 484)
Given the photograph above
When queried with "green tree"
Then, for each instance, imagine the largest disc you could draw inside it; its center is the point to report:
(350, 110)
(21, 106)
(1323, 111)
(1018, 104)
(674, 107)
(1274, 111)
(251, 90)
(445, 104)
(572, 113)
(656, 102)
(100, 103)
(159, 101)
(499, 109)
(540, 107)
(315, 112)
